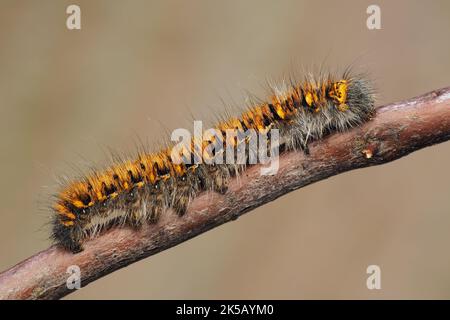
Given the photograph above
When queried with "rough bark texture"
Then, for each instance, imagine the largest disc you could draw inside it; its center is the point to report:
(396, 130)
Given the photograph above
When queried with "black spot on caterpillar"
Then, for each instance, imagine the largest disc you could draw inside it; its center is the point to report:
(138, 191)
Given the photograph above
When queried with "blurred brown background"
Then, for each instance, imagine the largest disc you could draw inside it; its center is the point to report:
(139, 68)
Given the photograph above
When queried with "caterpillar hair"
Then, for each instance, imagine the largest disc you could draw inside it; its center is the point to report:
(137, 191)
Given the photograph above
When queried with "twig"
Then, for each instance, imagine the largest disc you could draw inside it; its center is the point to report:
(396, 130)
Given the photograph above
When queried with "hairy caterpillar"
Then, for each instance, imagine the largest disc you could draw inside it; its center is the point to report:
(137, 191)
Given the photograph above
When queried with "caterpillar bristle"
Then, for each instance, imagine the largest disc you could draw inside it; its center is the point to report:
(138, 191)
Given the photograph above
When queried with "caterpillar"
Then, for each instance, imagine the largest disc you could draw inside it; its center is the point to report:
(137, 191)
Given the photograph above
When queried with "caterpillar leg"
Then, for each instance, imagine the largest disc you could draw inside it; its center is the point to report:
(180, 204)
(69, 237)
(155, 207)
(305, 149)
(220, 178)
(154, 213)
(136, 208)
(156, 200)
(186, 188)
(136, 218)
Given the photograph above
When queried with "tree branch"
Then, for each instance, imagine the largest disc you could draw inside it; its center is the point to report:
(396, 130)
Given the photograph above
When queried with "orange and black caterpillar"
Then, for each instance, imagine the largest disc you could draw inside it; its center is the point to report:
(138, 191)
